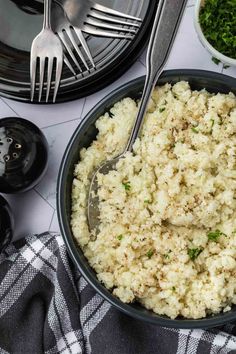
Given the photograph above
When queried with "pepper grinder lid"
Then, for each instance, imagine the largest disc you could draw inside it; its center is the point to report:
(23, 155)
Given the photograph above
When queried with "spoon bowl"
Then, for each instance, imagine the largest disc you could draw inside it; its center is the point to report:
(165, 27)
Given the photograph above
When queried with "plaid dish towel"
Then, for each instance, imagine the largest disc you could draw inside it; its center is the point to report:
(47, 307)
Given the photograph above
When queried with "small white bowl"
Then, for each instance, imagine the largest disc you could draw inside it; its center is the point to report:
(215, 53)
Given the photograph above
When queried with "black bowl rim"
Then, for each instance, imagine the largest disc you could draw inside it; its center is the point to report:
(216, 320)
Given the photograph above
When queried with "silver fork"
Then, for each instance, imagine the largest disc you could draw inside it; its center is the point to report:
(71, 37)
(99, 20)
(46, 47)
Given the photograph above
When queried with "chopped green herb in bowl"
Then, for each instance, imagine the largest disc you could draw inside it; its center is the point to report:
(150, 253)
(194, 130)
(215, 235)
(215, 23)
(194, 253)
(119, 237)
(126, 186)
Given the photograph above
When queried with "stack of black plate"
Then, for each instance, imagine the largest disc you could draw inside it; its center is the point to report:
(21, 21)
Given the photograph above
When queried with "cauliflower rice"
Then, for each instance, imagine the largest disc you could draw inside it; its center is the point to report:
(167, 236)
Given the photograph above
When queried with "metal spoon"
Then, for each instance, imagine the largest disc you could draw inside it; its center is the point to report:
(166, 24)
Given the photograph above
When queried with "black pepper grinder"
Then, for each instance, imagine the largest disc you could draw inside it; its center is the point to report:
(23, 155)
(6, 224)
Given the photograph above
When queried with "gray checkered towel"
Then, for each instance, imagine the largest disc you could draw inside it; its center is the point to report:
(47, 307)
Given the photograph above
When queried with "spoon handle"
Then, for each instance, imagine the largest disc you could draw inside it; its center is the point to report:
(168, 17)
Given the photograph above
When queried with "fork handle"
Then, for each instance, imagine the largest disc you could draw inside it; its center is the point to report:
(168, 16)
(47, 14)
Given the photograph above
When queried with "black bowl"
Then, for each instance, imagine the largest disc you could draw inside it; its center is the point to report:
(83, 136)
(6, 224)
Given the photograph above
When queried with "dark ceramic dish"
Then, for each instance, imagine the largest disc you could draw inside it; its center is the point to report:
(83, 136)
(21, 21)
(6, 224)
(23, 155)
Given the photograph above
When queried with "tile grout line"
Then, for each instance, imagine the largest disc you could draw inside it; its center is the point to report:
(67, 121)
(85, 100)
(44, 199)
(9, 107)
(139, 60)
(49, 229)
(64, 122)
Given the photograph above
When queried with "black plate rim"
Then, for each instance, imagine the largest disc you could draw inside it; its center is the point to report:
(223, 82)
(106, 76)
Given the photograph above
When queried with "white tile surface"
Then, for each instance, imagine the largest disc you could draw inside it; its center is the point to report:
(5, 110)
(230, 71)
(47, 115)
(187, 51)
(54, 227)
(57, 137)
(32, 214)
(135, 71)
(191, 3)
(35, 211)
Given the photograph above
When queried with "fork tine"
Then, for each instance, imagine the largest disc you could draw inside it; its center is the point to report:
(113, 20)
(66, 61)
(109, 11)
(84, 45)
(75, 45)
(33, 63)
(59, 65)
(63, 39)
(98, 24)
(41, 76)
(91, 30)
(49, 78)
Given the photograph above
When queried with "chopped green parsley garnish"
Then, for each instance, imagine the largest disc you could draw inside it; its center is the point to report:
(218, 22)
(127, 186)
(119, 237)
(173, 288)
(214, 235)
(225, 66)
(212, 125)
(147, 201)
(166, 256)
(215, 60)
(194, 253)
(162, 109)
(150, 253)
(195, 130)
